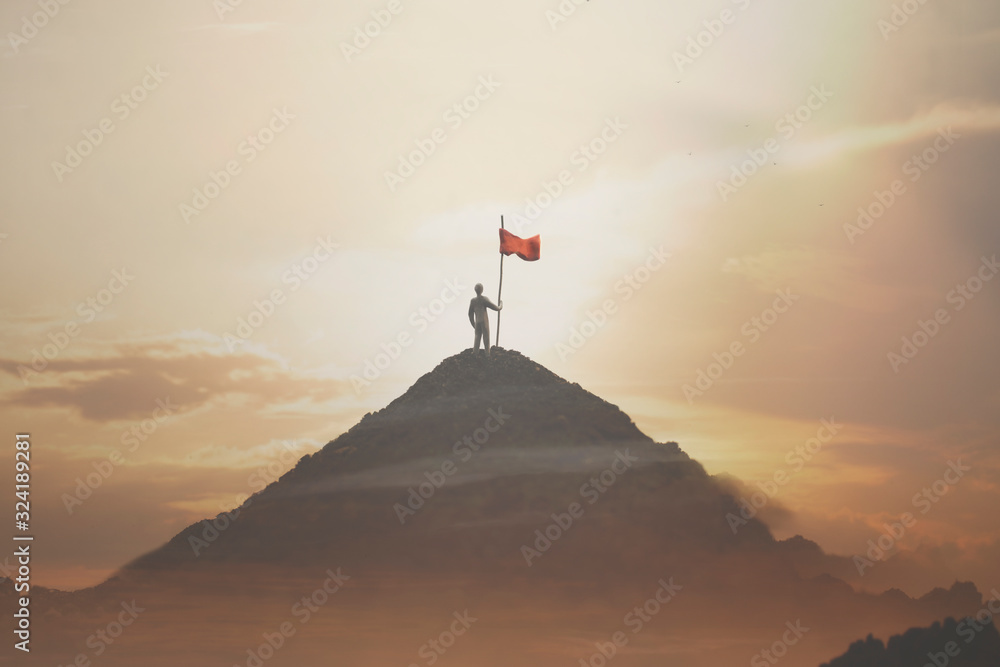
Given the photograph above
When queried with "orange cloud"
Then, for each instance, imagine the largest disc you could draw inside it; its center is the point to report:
(128, 382)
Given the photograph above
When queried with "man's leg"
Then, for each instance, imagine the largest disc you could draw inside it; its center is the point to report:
(479, 334)
(486, 336)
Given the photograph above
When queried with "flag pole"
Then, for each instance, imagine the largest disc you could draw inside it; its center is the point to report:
(499, 292)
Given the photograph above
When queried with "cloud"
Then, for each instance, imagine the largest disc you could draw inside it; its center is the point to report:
(833, 277)
(244, 28)
(924, 125)
(232, 458)
(127, 381)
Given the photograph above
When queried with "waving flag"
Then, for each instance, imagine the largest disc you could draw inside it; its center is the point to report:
(527, 249)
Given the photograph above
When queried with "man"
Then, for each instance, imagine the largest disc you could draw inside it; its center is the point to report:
(479, 319)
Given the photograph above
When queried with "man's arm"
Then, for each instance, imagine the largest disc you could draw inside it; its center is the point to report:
(472, 316)
(489, 304)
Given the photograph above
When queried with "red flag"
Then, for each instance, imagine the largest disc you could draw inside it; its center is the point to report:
(526, 249)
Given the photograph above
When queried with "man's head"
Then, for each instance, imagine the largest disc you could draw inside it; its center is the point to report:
(479, 289)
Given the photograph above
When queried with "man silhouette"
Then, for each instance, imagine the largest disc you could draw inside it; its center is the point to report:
(478, 318)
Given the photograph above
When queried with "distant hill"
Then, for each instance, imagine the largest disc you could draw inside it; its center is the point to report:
(953, 643)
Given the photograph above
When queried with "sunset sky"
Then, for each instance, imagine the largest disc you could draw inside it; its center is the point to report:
(617, 129)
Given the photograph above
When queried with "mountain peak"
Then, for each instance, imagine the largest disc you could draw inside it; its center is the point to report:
(453, 401)
(472, 372)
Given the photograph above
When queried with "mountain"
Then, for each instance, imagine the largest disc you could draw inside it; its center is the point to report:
(965, 643)
(476, 455)
(493, 487)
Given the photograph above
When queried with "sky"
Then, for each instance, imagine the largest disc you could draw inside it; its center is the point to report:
(229, 230)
